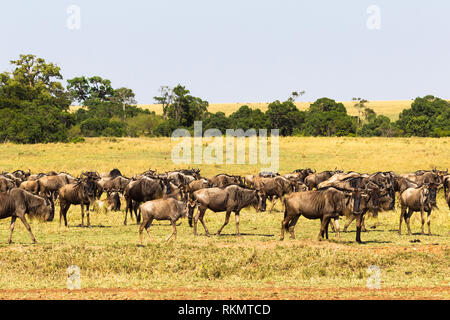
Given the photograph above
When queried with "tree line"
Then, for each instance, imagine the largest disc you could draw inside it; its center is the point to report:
(34, 108)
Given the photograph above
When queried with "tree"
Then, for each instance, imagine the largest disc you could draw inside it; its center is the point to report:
(125, 97)
(185, 109)
(33, 104)
(360, 105)
(284, 116)
(165, 98)
(429, 114)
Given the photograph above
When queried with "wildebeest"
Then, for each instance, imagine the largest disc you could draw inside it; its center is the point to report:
(313, 180)
(274, 188)
(108, 184)
(82, 192)
(416, 200)
(6, 184)
(424, 177)
(222, 180)
(146, 189)
(112, 202)
(30, 186)
(230, 199)
(17, 202)
(446, 183)
(48, 186)
(162, 209)
(324, 204)
(179, 179)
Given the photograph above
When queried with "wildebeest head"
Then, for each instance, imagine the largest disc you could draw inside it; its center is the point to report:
(261, 201)
(432, 189)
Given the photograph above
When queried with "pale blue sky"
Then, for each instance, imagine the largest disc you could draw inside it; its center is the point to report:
(241, 51)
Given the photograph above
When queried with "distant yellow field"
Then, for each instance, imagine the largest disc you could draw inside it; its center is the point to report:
(390, 109)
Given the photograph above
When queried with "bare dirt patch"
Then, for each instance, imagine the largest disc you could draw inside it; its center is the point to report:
(268, 293)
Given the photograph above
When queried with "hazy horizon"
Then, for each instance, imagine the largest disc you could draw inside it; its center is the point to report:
(237, 52)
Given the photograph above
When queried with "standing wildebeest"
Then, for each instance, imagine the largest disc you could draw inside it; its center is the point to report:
(324, 204)
(313, 180)
(274, 188)
(30, 186)
(223, 180)
(18, 202)
(446, 183)
(146, 189)
(230, 199)
(108, 184)
(6, 184)
(82, 192)
(48, 186)
(162, 209)
(417, 200)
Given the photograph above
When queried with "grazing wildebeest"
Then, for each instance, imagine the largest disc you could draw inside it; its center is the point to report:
(223, 180)
(22, 175)
(230, 199)
(417, 200)
(6, 184)
(17, 202)
(301, 174)
(446, 183)
(146, 189)
(424, 177)
(324, 204)
(274, 188)
(30, 186)
(37, 176)
(112, 202)
(162, 209)
(82, 192)
(179, 179)
(313, 180)
(108, 184)
(48, 186)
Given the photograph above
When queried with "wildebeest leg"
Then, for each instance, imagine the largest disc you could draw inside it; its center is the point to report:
(422, 217)
(174, 231)
(24, 221)
(284, 225)
(274, 201)
(145, 224)
(88, 212)
(358, 228)
(82, 215)
(402, 216)
(408, 221)
(363, 224)
(202, 214)
(128, 207)
(227, 219)
(11, 228)
(349, 220)
(236, 216)
(63, 213)
(429, 222)
(323, 224)
(292, 224)
(336, 223)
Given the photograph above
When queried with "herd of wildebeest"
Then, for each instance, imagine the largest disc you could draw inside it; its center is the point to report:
(171, 195)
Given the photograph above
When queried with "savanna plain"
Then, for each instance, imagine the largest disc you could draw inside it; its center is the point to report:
(255, 265)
